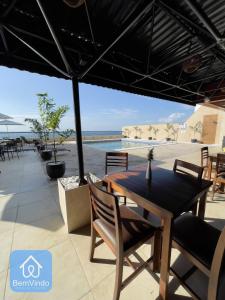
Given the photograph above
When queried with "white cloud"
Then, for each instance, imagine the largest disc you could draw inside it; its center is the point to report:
(174, 117)
(121, 113)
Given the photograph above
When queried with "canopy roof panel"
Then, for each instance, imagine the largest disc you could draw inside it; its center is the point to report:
(169, 49)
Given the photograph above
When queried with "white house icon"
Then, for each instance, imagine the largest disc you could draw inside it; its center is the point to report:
(31, 267)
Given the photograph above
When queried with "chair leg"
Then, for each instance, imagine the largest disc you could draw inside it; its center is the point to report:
(213, 188)
(93, 241)
(119, 277)
(194, 209)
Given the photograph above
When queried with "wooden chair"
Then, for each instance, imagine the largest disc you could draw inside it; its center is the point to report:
(116, 159)
(187, 168)
(204, 246)
(220, 171)
(123, 230)
(193, 171)
(205, 162)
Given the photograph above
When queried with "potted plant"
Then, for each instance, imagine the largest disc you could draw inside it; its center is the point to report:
(37, 128)
(40, 128)
(174, 132)
(136, 128)
(168, 129)
(155, 130)
(150, 128)
(52, 117)
(197, 128)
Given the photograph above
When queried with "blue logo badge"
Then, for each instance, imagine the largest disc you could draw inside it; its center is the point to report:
(31, 271)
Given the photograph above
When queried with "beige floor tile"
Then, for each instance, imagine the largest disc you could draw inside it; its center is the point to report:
(38, 195)
(95, 271)
(3, 276)
(69, 280)
(35, 211)
(7, 219)
(42, 234)
(89, 296)
(11, 295)
(8, 201)
(5, 248)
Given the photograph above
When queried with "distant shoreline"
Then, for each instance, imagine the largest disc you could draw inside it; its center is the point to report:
(85, 134)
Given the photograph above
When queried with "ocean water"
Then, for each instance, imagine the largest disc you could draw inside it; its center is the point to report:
(31, 135)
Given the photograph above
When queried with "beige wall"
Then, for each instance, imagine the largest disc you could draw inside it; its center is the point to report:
(185, 134)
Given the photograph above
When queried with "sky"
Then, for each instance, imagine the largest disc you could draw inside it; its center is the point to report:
(101, 108)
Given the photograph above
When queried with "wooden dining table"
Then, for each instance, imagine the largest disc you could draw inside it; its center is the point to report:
(167, 195)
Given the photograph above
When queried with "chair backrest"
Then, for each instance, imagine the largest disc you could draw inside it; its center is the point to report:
(187, 168)
(105, 206)
(204, 156)
(116, 159)
(220, 163)
(216, 289)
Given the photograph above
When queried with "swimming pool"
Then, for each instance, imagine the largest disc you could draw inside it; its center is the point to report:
(121, 144)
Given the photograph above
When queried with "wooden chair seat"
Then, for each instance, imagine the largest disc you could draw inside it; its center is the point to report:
(204, 247)
(202, 243)
(135, 229)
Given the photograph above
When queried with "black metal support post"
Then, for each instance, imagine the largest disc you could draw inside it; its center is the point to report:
(76, 102)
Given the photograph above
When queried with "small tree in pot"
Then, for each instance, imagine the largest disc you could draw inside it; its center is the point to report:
(150, 128)
(53, 117)
(155, 130)
(197, 128)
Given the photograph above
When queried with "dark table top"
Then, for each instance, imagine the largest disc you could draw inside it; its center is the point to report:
(172, 191)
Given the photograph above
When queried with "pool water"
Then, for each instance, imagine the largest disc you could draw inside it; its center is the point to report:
(119, 145)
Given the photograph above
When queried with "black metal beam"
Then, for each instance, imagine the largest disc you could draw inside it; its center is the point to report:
(8, 9)
(150, 77)
(55, 38)
(194, 30)
(89, 23)
(36, 52)
(76, 102)
(204, 19)
(4, 39)
(154, 93)
(115, 40)
(151, 39)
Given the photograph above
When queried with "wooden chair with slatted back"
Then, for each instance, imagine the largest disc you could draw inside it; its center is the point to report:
(220, 171)
(193, 171)
(187, 168)
(205, 160)
(123, 230)
(116, 159)
(204, 246)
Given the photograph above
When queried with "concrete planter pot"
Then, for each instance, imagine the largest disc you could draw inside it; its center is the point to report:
(75, 202)
(55, 169)
(46, 154)
(194, 140)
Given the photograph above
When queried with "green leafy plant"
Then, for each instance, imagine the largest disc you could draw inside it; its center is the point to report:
(51, 115)
(64, 135)
(36, 127)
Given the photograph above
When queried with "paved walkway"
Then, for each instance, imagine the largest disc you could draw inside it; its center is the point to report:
(30, 219)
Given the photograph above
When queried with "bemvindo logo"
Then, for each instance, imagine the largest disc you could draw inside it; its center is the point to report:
(31, 271)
